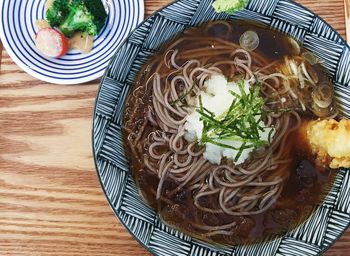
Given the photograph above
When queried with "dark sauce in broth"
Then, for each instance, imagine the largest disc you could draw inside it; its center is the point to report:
(305, 188)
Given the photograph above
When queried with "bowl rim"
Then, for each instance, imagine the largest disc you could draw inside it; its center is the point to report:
(94, 114)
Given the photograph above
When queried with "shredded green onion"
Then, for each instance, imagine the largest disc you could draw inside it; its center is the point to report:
(183, 96)
(238, 123)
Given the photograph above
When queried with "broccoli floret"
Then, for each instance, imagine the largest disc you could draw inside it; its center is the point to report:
(78, 19)
(56, 13)
(229, 6)
(82, 15)
(97, 10)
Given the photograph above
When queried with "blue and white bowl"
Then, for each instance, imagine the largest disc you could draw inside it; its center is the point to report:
(17, 33)
(323, 227)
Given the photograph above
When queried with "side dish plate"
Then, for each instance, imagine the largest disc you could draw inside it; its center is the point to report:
(17, 33)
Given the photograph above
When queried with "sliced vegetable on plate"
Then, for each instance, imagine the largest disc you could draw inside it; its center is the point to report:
(69, 24)
(51, 42)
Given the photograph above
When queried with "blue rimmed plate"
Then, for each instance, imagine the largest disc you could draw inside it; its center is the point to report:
(322, 228)
(17, 34)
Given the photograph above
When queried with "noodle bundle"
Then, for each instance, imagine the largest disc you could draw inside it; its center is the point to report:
(156, 134)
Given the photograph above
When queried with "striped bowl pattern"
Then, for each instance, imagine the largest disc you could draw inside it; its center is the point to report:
(323, 227)
(17, 33)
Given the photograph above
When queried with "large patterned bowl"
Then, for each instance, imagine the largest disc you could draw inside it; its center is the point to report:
(322, 228)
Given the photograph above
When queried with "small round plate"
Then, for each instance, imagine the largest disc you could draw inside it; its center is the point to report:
(17, 33)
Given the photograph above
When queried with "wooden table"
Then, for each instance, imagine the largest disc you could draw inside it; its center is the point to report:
(51, 202)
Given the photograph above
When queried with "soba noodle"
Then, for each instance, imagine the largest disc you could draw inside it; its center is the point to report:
(241, 190)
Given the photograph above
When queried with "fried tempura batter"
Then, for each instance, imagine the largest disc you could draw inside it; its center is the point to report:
(329, 140)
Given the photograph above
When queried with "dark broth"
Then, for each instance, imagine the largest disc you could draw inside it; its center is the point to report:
(305, 188)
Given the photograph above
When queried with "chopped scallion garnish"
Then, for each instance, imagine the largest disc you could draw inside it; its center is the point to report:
(239, 123)
(183, 96)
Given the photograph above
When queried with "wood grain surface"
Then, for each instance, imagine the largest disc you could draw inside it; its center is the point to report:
(347, 18)
(51, 202)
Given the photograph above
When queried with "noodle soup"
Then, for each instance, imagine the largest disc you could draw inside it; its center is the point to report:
(227, 175)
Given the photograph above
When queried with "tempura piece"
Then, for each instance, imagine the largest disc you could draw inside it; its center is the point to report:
(329, 140)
